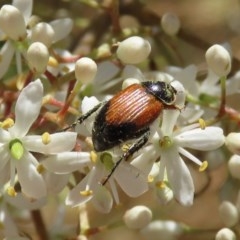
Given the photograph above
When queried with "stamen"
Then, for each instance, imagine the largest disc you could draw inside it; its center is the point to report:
(86, 193)
(203, 167)
(46, 138)
(202, 123)
(93, 156)
(189, 156)
(7, 123)
(52, 62)
(41, 169)
(11, 191)
(160, 184)
(150, 178)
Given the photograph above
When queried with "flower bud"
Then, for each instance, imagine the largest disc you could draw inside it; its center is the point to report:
(225, 234)
(137, 217)
(133, 50)
(44, 33)
(85, 70)
(37, 56)
(218, 60)
(129, 81)
(12, 22)
(232, 142)
(228, 213)
(168, 230)
(170, 23)
(234, 166)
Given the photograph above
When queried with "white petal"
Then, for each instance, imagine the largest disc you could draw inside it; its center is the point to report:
(102, 200)
(66, 162)
(5, 174)
(59, 142)
(25, 7)
(169, 120)
(27, 108)
(31, 181)
(206, 139)
(4, 136)
(179, 176)
(20, 201)
(6, 54)
(145, 161)
(90, 182)
(55, 182)
(132, 181)
(5, 156)
(58, 26)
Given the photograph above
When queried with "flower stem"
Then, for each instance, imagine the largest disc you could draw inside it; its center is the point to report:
(221, 110)
(39, 224)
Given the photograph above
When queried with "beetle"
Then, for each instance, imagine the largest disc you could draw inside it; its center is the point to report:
(129, 115)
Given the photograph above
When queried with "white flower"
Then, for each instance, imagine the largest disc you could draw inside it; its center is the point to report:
(130, 179)
(39, 33)
(225, 234)
(169, 145)
(16, 146)
(228, 213)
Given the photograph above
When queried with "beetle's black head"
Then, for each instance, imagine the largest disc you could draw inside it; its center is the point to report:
(163, 91)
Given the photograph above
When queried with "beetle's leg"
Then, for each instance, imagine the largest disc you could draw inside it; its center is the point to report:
(83, 117)
(134, 148)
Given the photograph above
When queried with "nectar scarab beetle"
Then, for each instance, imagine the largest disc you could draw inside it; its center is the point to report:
(128, 115)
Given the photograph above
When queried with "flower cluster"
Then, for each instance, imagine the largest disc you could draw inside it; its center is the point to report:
(66, 134)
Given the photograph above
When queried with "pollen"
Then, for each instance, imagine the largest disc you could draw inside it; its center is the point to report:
(7, 123)
(160, 184)
(52, 62)
(202, 123)
(203, 167)
(150, 178)
(11, 191)
(40, 169)
(93, 156)
(86, 193)
(46, 138)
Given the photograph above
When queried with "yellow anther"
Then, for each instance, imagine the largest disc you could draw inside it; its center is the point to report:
(7, 123)
(52, 62)
(125, 147)
(46, 138)
(203, 166)
(160, 184)
(11, 191)
(86, 193)
(41, 169)
(202, 123)
(93, 156)
(150, 178)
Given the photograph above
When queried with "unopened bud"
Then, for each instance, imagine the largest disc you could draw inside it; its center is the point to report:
(225, 234)
(218, 60)
(167, 230)
(228, 213)
(12, 22)
(44, 33)
(133, 50)
(85, 70)
(232, 142)
(234, 166)
(170, 23)
(137, 217)
(37, 56)
(129, 81)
